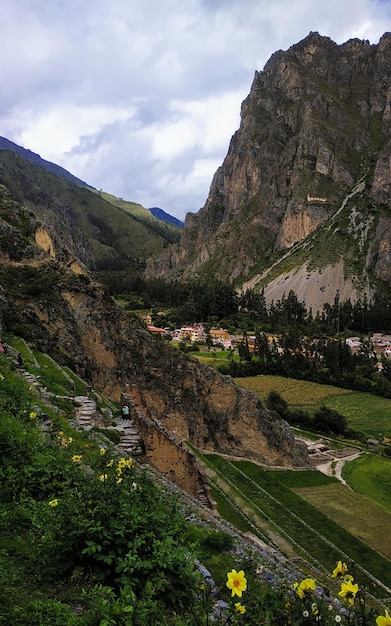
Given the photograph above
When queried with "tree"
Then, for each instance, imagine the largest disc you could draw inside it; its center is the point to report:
(326, 420)
(276, 403)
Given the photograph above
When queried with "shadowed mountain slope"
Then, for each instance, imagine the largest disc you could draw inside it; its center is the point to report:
(102, 231)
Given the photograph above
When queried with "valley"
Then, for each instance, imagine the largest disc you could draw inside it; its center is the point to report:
(271, 457)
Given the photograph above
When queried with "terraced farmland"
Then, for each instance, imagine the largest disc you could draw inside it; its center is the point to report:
(278, 516)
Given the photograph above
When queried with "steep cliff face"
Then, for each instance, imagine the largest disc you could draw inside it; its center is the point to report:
(72, 318)
(316, 122)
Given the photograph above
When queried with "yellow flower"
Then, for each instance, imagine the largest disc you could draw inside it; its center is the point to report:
(53, 502)
(33, 415)
(121, 463)
(384, 620)
(240, 608)
(341, 571)
(77, 458)
(236, 582)
(129, 462)
(118, 481)
(109, 463)
(103, 477)
(306, 586)
(348, 591)
(70, 439)
(102, 451)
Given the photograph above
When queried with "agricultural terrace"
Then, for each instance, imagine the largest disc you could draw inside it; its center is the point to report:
(289, 509)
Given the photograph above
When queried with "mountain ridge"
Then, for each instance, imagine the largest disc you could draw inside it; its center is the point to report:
(165, 217)
(36, 159)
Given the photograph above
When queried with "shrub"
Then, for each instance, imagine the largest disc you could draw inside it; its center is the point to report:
(218, 541)
(298, 417)
(326, 420)
(44, 613)
(276, 403)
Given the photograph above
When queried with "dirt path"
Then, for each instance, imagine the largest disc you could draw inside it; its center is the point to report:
(334, 467)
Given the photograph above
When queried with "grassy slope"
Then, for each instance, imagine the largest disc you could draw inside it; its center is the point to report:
(110, 225)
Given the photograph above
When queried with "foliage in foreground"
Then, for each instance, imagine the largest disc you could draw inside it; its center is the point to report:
(87, 539)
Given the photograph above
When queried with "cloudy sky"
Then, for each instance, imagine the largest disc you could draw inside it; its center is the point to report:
(140, 98)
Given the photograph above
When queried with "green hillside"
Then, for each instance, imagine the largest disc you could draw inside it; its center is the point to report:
(104, 232)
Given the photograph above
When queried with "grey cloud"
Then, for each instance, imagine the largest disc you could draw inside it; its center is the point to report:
(122, 65)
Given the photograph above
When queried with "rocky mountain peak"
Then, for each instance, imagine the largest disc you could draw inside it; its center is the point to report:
(315, 124)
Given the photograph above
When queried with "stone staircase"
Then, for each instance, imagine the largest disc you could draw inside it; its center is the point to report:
(131, 443)
(85, 412)
(88, 416)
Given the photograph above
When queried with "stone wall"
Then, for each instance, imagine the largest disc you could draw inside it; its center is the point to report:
(168, 455)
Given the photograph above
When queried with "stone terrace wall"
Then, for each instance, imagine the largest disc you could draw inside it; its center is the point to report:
(168, 455)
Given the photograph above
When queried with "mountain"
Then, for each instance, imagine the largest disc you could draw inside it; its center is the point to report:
(35, 159)
(165, 217)
(302, 199)
(49, 299)
(105, 233)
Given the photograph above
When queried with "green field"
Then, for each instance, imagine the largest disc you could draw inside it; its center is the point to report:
(364, 412)
(299, 394)
(359, 515)
(370, 475)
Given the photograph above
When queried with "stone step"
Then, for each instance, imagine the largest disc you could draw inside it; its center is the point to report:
(130, 436)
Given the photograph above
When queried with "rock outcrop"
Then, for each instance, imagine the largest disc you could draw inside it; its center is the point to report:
(73, 319)
(317, 122)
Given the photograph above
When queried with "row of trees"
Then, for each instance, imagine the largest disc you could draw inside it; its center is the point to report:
(215, 301)
(322, 360)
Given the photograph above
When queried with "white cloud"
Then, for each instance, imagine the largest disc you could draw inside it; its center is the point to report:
(58, 130)
(141, 99)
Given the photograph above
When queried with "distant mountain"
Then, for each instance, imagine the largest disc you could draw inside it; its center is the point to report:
(166, 217)
(302, 201)
(105, 233)
(35, 159)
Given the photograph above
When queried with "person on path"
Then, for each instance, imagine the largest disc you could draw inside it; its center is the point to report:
(125, 412)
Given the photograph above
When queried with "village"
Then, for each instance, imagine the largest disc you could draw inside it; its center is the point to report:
(220, 338)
